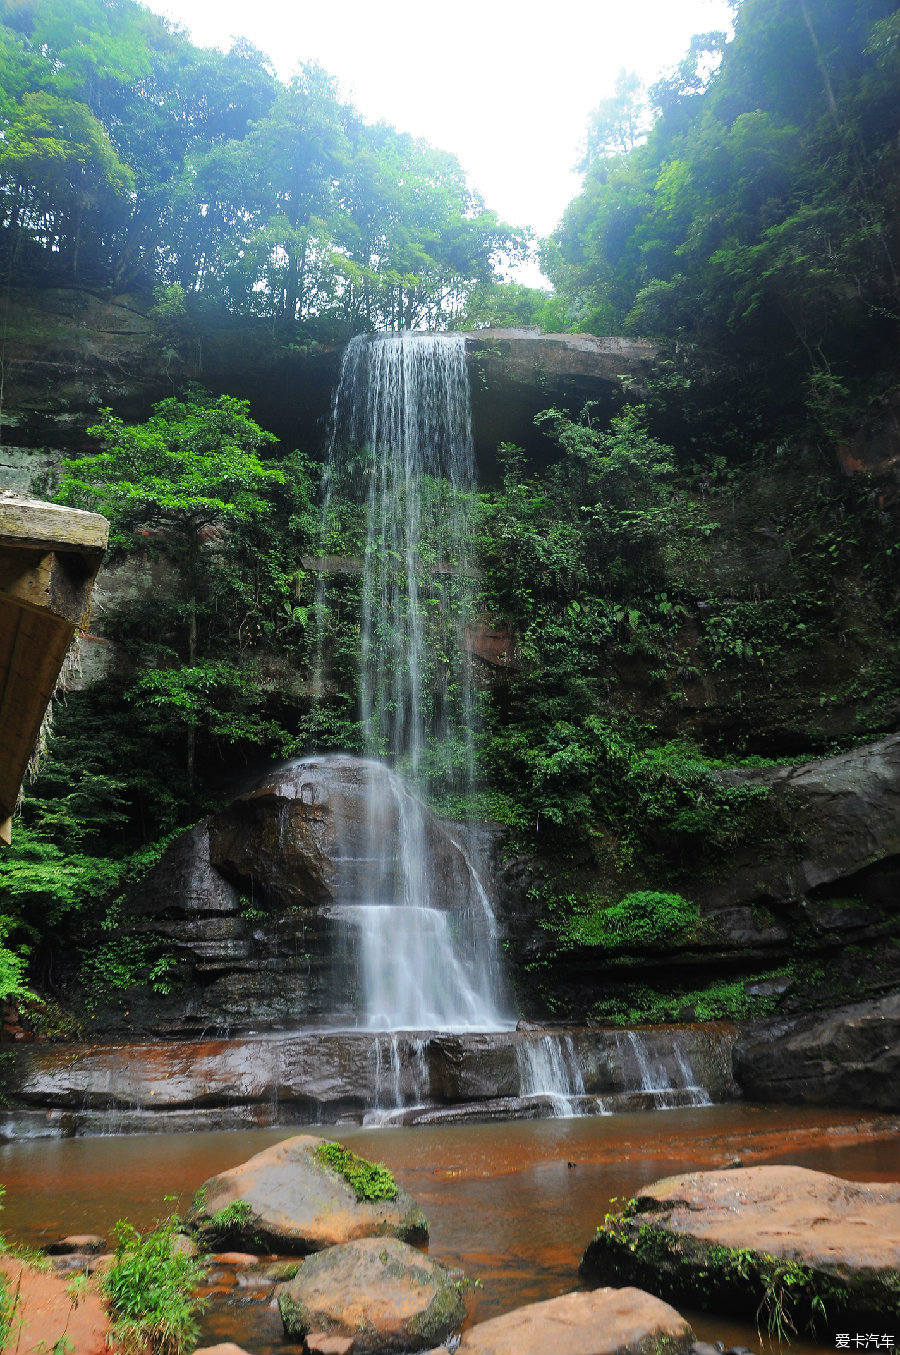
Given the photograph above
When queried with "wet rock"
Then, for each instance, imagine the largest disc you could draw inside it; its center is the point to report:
(284, 1200)
(383, 1293)
(850, 1056)
(604, 1322)
(223, 1348)
(76, 1242)
(249, 900)
(320, 1343)
(723, 1240)
(308, 1078)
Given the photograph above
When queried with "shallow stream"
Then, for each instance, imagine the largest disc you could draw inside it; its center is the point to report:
(512, 1204)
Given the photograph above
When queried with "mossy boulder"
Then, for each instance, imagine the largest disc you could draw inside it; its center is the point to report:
(793, 1246)
(383, 1293)
(288, 1199)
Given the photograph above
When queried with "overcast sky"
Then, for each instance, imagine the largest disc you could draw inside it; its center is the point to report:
(507, 85)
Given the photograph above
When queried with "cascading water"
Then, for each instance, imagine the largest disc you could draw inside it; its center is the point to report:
(401, 444)
(666, 1076)
(548, 1068)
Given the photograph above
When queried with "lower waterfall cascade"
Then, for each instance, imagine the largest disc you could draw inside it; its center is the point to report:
(329, 1076)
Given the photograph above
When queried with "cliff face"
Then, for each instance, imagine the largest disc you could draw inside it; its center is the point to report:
(781, 649)
(68, 351)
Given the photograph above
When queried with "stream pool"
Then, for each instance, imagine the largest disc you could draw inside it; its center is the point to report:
(513, 1204)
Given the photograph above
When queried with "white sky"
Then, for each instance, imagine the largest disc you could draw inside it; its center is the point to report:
(506, 85)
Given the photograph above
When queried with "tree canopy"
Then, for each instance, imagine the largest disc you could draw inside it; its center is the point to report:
(131, 158)
(755, 228)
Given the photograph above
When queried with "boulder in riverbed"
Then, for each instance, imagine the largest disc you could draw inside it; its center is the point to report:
(383, 1293)
(604, 1322)
(286, 1199)
(790, 1244)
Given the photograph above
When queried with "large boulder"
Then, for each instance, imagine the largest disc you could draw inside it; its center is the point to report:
(253, 901)
(45, 1317)
(838, 815)
(784, 1242)
(604, 1322)
(383, 1293)
(286, 1200)
(328, 829)
(850, 1056)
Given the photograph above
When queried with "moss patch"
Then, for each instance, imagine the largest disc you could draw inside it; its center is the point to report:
(783, 1295)
(368, 1180)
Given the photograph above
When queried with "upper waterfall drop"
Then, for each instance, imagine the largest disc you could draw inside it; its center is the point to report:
(401, 447)
(402, 433)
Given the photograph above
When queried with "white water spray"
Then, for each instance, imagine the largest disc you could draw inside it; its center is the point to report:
(420, 917)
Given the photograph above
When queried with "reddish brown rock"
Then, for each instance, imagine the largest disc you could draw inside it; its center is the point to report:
(293, 1203)
(45, 1313)
(319, 1343)
(723, 1239)
(223, 1348)
(605, 1322)
(383, 1293)
(75, 1242)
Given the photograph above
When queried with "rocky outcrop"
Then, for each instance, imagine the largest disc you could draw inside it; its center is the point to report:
(516, 373)
(840, 815)
(776, 1240)
(312, 1077)
(847, 1057)
(69, 350)
(820, 879)
(383, 1293)
(248, 902)
(605, 1322)
(285, 1200)
(49, 557)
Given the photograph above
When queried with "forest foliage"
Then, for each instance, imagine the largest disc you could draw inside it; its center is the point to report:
(131, 159)
(750, 229)
(753, 228)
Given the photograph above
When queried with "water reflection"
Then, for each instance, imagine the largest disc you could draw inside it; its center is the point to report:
(503, 1201)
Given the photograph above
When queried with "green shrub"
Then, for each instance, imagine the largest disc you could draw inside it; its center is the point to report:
(151, 1290)
(232, 1221)
(723, 1000)
(646, 918)
(369, 1180)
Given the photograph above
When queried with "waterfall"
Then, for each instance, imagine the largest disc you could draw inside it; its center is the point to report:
(401, 447)
(548, 1068)
(670, 1081)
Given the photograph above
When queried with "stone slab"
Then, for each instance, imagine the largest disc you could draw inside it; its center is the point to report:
(605, 1322)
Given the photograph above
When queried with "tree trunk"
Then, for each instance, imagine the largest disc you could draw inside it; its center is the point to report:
(823, 69)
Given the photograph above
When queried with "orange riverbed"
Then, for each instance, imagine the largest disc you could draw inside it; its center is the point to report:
(512, 1204)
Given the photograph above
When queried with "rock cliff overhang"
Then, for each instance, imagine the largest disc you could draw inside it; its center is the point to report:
(516, 373)
(70, 350)
(49, 558)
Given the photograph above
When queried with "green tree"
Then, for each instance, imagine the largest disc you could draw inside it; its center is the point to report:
(755, 228)
(60, 173)
(191, 468)
(618, 122)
